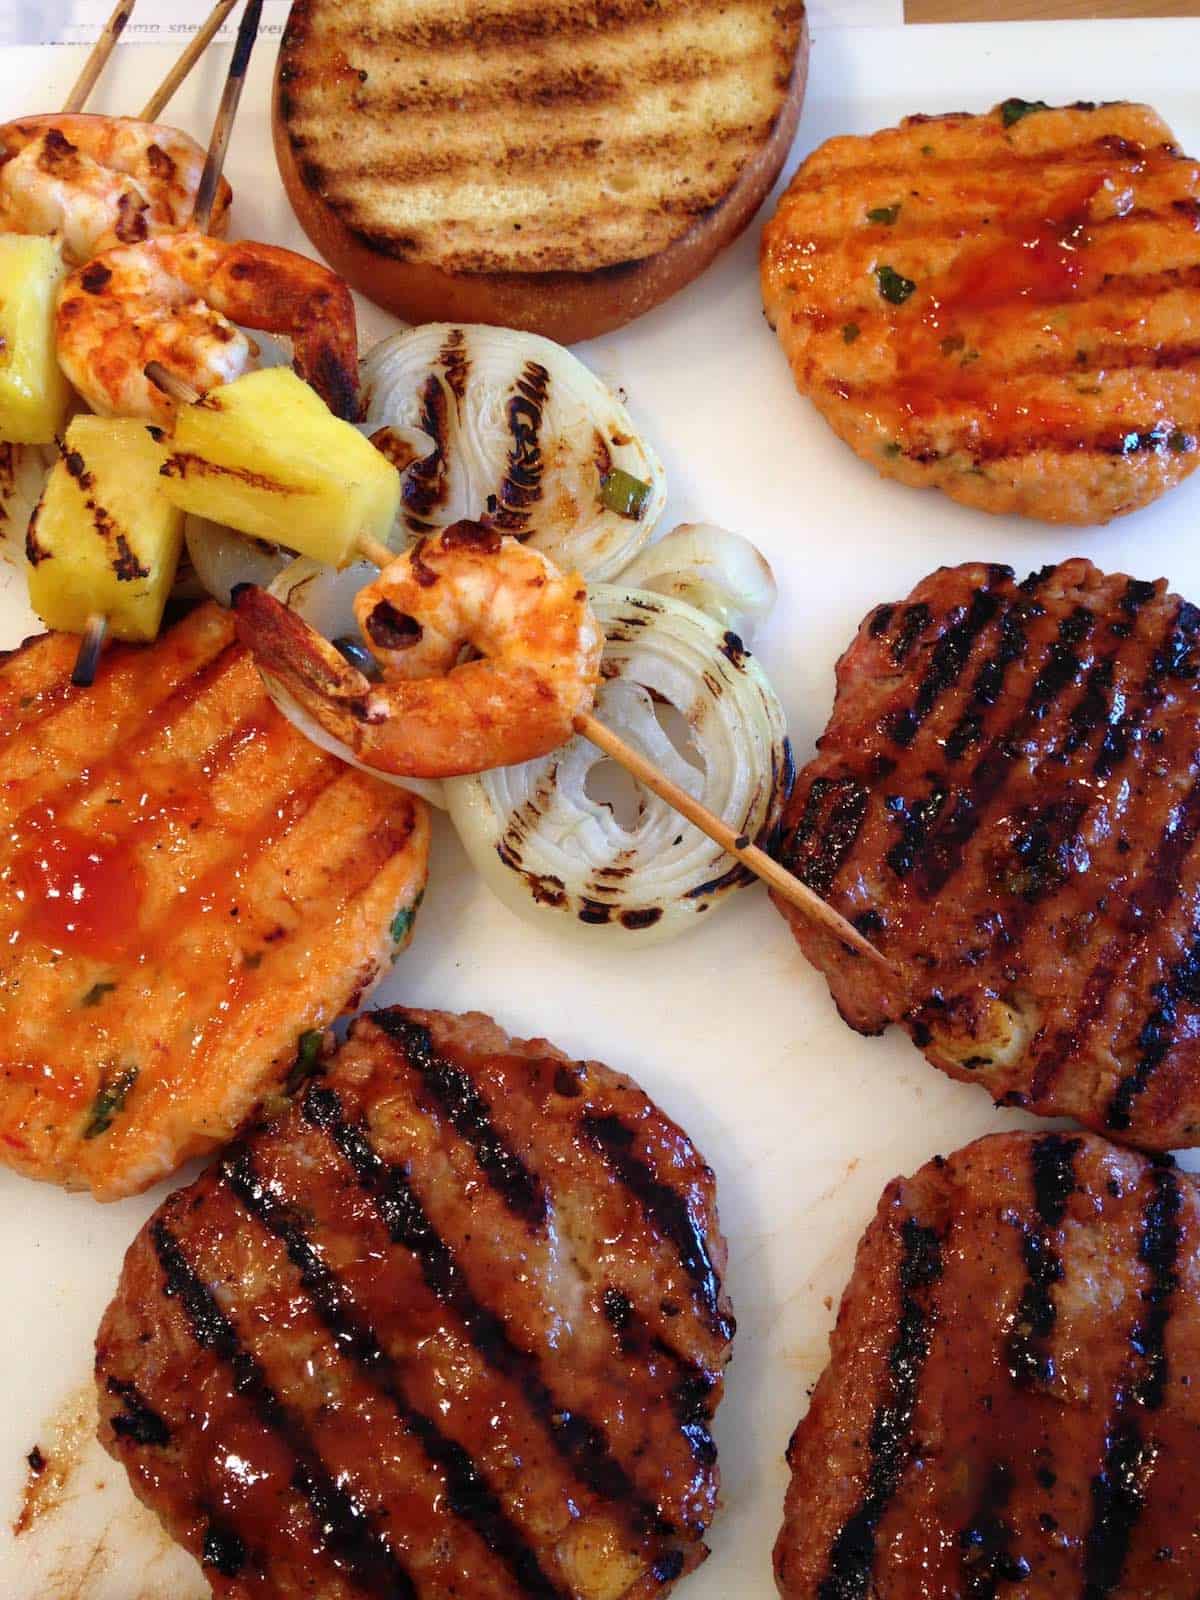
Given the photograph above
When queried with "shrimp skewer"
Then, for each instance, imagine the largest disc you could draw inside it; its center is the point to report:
(175, 300)
(98, 56)
(538, 662)
(533, 689)
(98, 181)
(207, 202)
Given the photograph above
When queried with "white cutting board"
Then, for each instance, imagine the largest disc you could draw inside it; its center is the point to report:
(728, 1029)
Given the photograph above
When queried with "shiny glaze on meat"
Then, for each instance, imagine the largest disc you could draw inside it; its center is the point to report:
(1012, 1403)
(1005, 307)
(186, 885)
(451, 1324)
(1006, 801)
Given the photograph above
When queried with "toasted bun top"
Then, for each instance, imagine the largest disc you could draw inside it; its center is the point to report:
(509, 136)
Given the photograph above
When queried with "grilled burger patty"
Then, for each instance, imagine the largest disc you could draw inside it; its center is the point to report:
(1004, 307)
(449, 1324)
(1006, 802)
(1010, 1405)
(560, 168)
(186, 884)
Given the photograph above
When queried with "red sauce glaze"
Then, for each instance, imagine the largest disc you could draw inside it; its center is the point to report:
(1048, 262)
(80, 893)
(67, 1087)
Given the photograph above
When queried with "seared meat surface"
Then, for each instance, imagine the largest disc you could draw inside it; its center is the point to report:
(1012, 1404)
(1006, 801)
(450, 1324)
(1005, 307)
(186, 886)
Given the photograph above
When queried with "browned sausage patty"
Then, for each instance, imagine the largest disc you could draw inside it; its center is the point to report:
(450, 1324)
(1005, 307)
(1006, 801)
(1012, 1402)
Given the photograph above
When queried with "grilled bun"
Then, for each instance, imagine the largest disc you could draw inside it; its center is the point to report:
(558, 168)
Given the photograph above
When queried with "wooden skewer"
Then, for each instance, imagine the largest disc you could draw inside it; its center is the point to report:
(96, 628)
(210, 178)
(188, 58)
(785, 883)
(91, 647)
(100, 52)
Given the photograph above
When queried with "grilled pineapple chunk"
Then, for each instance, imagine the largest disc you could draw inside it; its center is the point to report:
(33, 391)
(266, 456)
(104, 537)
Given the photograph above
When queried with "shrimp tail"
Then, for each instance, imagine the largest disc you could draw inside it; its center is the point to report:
(307, 665)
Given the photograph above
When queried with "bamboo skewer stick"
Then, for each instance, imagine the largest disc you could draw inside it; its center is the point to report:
(100, 52)
(96, 628)
(777, 877)
(95, 632)
(188, 58)
(210, 178)
(785, 883)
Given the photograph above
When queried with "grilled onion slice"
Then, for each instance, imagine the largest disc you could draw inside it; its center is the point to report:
(523, 433)
(222, 558)
(552, 847)
(719, 572)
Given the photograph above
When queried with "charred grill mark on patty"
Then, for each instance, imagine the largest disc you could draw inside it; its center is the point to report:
(986, 1542)
(350, 1538)
(469, 1496)
(136, 1420)
(665, 1208)
(521, 487)
(942, 848)
(1030, 1355)
(459, 1099)
(578, 1440)
(827, 830)
(1158, 1034)
(852, 1558)
(947, 662)
(1120, 1490)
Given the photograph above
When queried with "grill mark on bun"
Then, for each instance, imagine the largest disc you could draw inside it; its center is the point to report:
(351, 1540)
(852, 1557)
(469, 1495)
(580, 1442)
(706, 99)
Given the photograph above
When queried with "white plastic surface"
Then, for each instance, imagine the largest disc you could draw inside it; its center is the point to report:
(729, 1029)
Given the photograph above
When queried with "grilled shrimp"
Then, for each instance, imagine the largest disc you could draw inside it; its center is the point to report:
(431, 716)
(99, 181)
(176, 300)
